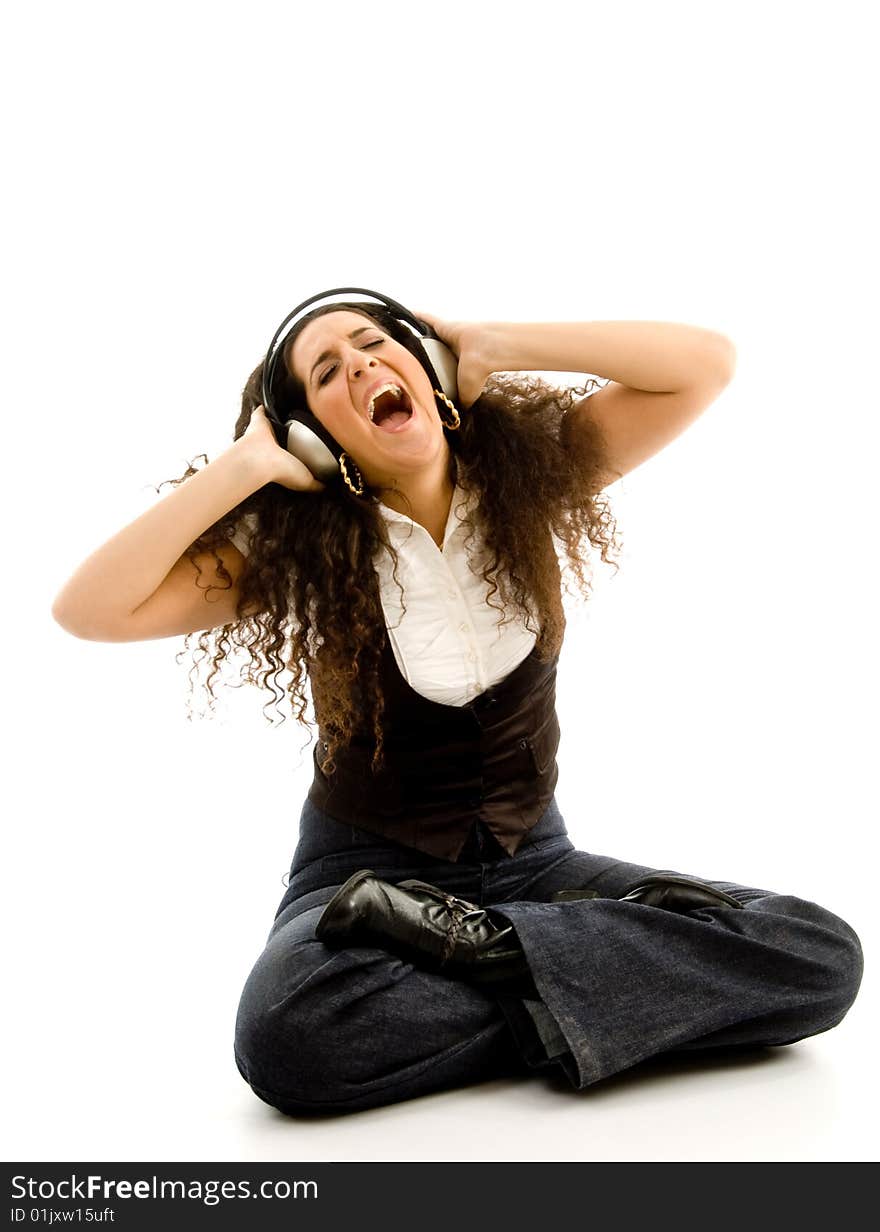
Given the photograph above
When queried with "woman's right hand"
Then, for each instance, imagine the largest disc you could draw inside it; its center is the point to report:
(261, 444)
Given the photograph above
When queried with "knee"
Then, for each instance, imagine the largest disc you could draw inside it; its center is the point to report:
(829, 958)
(320, 1029)
(285, 1033)
(846, 964)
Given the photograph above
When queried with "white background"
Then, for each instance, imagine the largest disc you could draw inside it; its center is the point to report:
(179, 177)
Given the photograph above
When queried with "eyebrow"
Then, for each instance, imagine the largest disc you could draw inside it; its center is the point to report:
(355, 333)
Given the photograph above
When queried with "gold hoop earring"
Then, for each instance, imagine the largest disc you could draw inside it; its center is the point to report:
(445, 420)
(344, 462)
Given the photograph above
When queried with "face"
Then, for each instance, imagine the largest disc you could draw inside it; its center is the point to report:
(343, 360)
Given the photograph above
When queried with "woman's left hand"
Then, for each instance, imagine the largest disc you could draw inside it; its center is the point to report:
(471, 342)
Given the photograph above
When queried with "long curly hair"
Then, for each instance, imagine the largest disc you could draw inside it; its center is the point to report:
(310, 578)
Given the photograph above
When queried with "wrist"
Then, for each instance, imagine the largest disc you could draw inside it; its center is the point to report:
(251, 462)
(501, 346)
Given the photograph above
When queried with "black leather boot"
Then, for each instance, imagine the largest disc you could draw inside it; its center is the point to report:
(428, 926)
(671, 891)
(675, 892)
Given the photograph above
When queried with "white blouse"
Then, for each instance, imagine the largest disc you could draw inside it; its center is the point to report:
(449, 643)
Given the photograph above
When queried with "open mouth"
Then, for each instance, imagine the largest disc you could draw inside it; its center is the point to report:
(391, 410)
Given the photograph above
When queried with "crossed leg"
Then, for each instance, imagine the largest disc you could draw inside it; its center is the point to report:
(339, 1030)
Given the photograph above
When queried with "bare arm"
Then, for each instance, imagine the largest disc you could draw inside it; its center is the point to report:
(139, 585)
(664, 374)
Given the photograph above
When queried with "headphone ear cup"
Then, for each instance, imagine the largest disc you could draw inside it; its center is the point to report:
(307, 439)
(300, 432)
(444, 363)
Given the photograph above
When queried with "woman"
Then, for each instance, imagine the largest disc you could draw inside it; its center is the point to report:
(439, 927)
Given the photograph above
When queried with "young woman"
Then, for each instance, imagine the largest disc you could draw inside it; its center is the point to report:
(439, 926)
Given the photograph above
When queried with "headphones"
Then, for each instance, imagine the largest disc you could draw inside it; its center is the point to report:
(297, 429)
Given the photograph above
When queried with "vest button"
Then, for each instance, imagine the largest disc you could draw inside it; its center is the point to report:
(523, 744)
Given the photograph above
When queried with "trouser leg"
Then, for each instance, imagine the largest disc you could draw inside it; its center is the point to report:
(335, 1030)
(624, 981)
(339, 1030)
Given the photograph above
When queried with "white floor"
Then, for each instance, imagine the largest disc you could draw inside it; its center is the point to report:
(171, 1092)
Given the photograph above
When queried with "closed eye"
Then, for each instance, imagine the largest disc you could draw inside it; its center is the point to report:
(325, 377)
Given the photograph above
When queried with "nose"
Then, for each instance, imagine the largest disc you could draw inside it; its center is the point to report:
(359, 363)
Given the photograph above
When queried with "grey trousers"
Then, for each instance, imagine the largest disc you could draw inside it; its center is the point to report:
(338, 1030)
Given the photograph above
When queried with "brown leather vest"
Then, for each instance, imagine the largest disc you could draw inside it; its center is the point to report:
(449, 767)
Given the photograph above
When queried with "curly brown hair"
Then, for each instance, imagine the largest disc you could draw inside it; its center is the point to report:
(310, 577)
